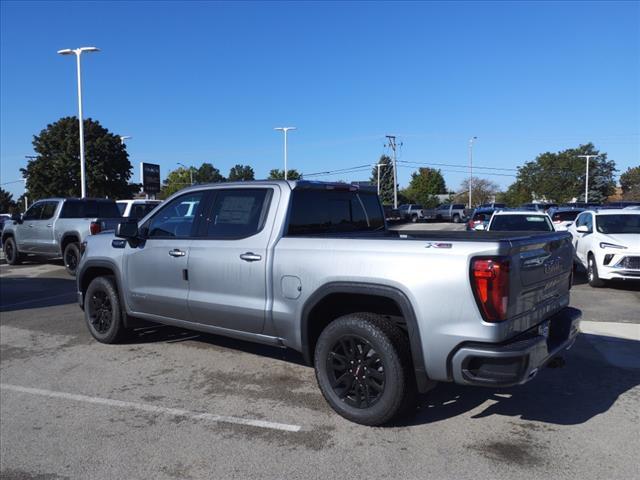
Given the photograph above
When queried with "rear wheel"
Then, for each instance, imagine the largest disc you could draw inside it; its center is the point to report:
(71, 257)
(592, 273)
(456, 218)
(363, 367)
(102, 311)
(11, 254)
(414, 218)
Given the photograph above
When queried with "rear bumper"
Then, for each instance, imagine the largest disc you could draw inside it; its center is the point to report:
(519, 360)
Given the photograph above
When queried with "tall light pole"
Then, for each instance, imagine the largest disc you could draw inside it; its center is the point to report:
(190, 171)
(378, 168)
(78, 52)
(124, 137)
(586, 179)
(285, 130)
(471, 166)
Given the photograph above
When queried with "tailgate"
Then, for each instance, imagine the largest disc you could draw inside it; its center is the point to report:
(540, 279)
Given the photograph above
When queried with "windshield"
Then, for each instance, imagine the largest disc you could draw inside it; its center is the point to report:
(521, 223)
(618, 223)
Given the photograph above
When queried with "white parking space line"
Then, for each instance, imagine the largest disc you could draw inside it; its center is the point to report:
(176, 412)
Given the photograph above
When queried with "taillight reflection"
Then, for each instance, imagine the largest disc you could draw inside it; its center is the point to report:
(95, 228)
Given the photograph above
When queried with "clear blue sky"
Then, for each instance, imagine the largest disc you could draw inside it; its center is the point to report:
(197, 81)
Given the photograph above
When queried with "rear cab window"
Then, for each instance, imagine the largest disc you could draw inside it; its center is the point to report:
(317, 212)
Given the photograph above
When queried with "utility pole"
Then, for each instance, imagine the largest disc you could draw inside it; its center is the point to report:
(471, 166)
(393, 145)
(190, 171)
(586, 179)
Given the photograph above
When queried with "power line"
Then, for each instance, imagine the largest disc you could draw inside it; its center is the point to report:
(459, 166)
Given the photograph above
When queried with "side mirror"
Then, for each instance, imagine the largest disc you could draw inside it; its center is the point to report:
(127, 230)
(582, 229)
(17, 217)
(479, 227)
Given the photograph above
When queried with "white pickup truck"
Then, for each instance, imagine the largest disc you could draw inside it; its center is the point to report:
(312, 267)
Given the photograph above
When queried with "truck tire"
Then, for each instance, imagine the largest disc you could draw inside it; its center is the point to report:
(71, 258)
(414, 218)
(103, 311)
(363, 367)
(456, 218)
(11, 254)
(592, 273)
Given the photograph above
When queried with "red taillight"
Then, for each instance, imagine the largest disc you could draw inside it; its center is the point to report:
(95, 228)
(490, 283)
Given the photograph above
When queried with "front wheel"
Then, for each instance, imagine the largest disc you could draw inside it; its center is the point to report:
(11, 254)
(71, 257)
(592, 273)
(414, 218)
(456, 219)
(102, 311)
(363, 368)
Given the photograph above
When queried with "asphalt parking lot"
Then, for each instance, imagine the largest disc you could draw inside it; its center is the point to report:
(177, 404)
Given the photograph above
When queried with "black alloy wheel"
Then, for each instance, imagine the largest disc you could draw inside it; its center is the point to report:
(356, 371)
(100, 311)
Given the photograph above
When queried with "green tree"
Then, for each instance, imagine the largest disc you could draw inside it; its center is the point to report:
(176, 180)
(425, 184)
(276, 174)
(207, 173)
(482, 191)
(386, 179)
(630, 183)
(560, 176)
(241, 173)
(515, 195)
(6, 201)
(55, 172)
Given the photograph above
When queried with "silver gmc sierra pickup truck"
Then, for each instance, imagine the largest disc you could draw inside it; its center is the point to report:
(55, 227)
(381, 315)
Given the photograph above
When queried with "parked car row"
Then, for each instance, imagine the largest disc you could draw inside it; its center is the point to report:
(56, 227)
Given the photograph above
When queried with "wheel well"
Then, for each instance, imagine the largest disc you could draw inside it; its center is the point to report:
(92, 273)
(67, 239)
(5, 236)
(336, 305)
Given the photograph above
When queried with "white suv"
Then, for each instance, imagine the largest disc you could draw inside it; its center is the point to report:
(607, 244)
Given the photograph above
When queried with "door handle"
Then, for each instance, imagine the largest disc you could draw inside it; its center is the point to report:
(250, 257)
(49, 225)
(30, 225)
(177, 253)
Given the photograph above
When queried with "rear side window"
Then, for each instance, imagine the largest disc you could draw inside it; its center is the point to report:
(48, 210)
(237, 213)
(121, 208)
(458, 206)
(521, 223)
(318, 212)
